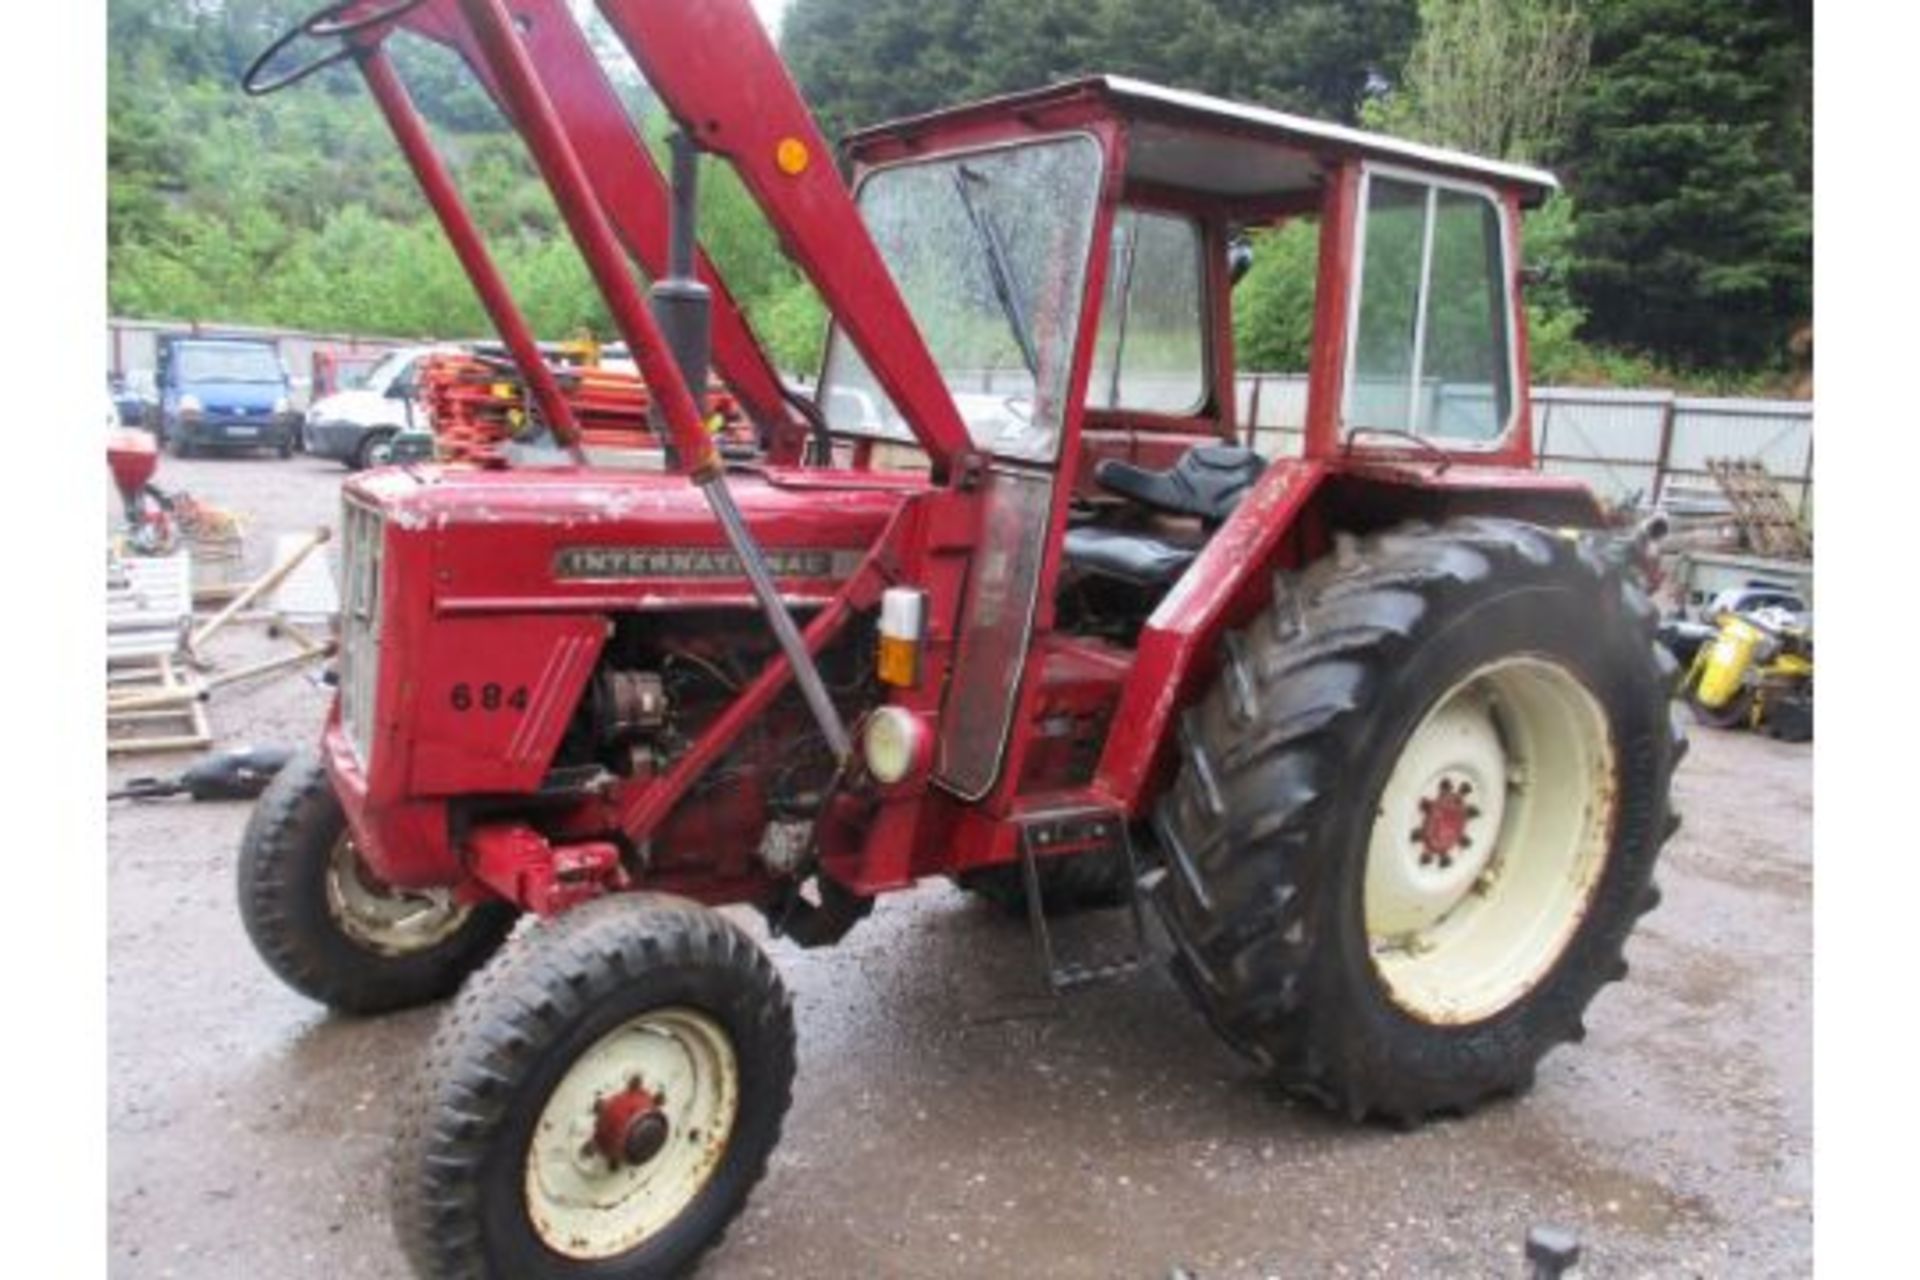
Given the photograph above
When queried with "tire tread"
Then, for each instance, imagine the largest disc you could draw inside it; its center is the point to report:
(492, 1036)
(1239, 903)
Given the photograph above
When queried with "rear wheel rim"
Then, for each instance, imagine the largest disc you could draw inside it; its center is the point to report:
(588, 1203)
(1489, 840)
(382, 919)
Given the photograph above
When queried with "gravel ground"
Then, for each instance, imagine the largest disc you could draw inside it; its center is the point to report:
(948, 1121)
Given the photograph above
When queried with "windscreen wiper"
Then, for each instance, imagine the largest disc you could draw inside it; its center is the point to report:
(997, 268)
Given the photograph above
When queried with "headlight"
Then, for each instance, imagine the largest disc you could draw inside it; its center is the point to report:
(282, 406)
(894, 743)
(190, 404)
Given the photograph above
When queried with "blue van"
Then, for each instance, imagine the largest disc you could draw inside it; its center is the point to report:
(224, 393)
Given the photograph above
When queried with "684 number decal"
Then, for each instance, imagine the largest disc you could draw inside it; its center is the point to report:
(488, 697)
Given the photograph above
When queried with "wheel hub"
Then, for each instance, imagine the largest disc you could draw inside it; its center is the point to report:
(1444, 818)
(630, 1128)
(1440, 821)
(382, 919)
(1490, 834)
(631, 1133)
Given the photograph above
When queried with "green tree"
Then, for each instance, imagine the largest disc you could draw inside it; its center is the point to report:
(862, 61)
(1273, 303)
(1493, 77)
(1691, 163)
(1690, 158)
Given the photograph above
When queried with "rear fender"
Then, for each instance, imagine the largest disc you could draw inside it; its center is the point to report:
(1229, 581)
(1288, 520)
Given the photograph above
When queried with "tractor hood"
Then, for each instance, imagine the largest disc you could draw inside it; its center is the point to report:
(507, 540)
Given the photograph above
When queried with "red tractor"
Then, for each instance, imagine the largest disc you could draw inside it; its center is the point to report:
(1380, 731)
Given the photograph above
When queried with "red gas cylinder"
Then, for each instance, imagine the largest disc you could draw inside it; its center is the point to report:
(132, 458)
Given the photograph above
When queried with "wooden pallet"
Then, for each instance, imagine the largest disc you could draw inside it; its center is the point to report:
(159, 676)
(151, 706)
(1767, 525)
(151, 703)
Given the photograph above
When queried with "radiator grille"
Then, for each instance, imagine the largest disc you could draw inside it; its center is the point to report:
(362, 535)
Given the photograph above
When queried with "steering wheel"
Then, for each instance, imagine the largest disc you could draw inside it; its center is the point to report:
(326, 23)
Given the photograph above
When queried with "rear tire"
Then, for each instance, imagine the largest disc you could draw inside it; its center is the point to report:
(500, 1166)
(1320, 921)
(331, 932)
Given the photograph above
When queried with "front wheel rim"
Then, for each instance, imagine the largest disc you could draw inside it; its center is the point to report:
(382, 919)
(1489, 840)
(634, 1131)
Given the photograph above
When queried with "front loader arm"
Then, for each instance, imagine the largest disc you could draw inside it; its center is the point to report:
(717, 70)
(628, 183)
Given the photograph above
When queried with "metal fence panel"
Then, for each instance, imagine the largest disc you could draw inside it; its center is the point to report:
(1778, 433)
(1614, 426)
(1621, 443)
(1280, 442)
(1614, 482)
(1279, 399)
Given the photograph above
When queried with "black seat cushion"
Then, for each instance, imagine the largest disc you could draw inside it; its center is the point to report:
(1138, 558)
(1207, 482)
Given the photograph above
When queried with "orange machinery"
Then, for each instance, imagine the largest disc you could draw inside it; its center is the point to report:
(476, 405)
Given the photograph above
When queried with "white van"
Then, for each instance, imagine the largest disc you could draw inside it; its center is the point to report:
(358, 425)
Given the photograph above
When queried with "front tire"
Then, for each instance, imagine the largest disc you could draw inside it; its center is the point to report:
(600, 1100)
(1418, 815)
(328, 929)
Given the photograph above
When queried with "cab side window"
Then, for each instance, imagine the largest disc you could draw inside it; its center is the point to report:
(1150, 352)
(1432, 352)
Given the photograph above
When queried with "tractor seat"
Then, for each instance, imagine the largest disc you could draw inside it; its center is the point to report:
(1138, 558)
(1207, 482)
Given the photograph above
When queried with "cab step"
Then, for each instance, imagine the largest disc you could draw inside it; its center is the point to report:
(1086, 830)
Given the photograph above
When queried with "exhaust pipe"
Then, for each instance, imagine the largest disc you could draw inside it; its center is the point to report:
(683, 305)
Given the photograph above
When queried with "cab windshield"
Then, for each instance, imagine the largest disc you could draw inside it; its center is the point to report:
(989, 250)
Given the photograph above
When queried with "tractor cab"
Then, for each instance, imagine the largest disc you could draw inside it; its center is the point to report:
(1069, 255)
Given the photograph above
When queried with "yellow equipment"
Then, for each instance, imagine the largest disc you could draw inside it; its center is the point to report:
(1756, 671)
